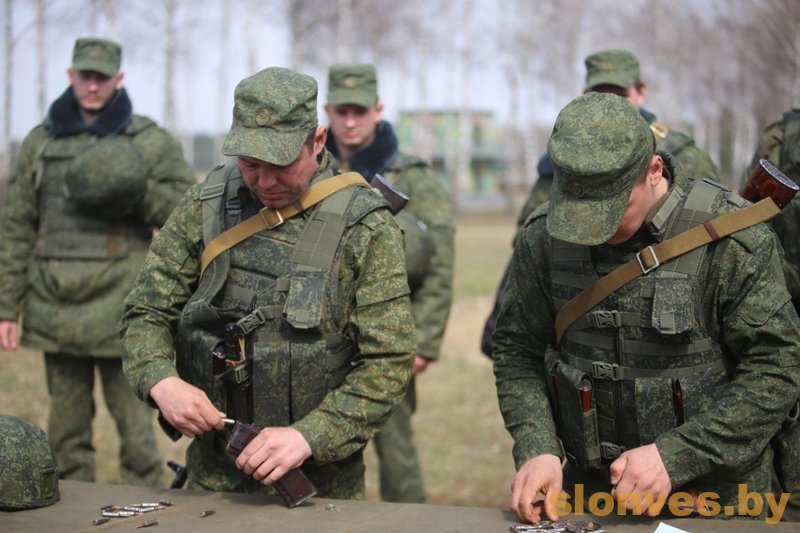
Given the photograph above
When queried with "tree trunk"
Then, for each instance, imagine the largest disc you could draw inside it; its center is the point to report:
(169, 64)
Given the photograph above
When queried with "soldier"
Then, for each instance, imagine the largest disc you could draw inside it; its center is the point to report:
(305, 315)
(613, 71)
(90, 185)
(360, 140)
(780, 144)
(675, 381)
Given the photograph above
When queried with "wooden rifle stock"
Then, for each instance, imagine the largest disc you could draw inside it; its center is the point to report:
(767, 181)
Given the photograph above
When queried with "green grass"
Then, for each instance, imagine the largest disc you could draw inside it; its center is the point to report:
(464, 450)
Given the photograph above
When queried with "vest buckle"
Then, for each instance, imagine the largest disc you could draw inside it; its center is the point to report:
(248, 323)
(610, 451)
(652, 259)
(272, 217)
(606, 319)
(602, 370)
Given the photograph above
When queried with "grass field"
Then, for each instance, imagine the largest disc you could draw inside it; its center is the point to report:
(464, 449)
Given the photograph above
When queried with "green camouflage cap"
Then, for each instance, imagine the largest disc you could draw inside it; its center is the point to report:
(599, 147)
(273, 113)
(612, 67)
(97, 55)
(353, 84)
(28, 472)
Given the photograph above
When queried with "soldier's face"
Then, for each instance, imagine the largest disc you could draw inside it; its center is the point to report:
(647, 190)
(353, 125)
(278, 186)
(92, 89)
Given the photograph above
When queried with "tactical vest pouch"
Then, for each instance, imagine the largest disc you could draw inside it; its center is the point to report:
(577, 414)
(303, 307)
(196, 363)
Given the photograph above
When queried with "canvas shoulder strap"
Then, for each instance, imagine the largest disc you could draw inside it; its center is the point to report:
(269, 218)
(653, 256)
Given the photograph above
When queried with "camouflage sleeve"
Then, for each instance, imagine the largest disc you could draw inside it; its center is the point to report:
(161, 289)
(760, 332)
(693, 160)
(431, 301)
(785, 225)
(769, 147)
(524, 329)
(169, 175)
(374, 291)
(539, 194)
(19, 220)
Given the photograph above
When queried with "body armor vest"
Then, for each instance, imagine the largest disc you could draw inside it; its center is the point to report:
(280, 287)
(641, 362)
(65, 230)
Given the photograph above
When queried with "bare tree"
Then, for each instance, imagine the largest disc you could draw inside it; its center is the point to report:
(5, 154)
(41, 72)
(344, 31)
(223, 101)
(170, 7)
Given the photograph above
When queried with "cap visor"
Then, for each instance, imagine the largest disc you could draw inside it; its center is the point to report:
(350, 98)
(587, 222)
(608, 78)
(275, 147)
(94, 66)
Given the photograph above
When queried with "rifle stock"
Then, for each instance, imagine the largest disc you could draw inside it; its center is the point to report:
(767, 181)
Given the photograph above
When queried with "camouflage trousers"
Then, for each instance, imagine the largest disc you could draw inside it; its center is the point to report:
(211, 469)
(70, 382)
(398, 463)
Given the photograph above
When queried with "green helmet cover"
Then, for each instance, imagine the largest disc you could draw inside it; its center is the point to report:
(28, 469)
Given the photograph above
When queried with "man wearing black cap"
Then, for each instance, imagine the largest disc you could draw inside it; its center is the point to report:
(90, 185)
(668, 375)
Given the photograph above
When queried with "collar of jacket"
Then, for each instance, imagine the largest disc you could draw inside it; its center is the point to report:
(374, 158)
(64, 117)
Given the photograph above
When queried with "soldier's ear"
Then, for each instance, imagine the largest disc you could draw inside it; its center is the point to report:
(655, 169)
(118, 81)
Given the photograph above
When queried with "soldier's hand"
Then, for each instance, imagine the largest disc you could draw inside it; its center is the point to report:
(186, 407)
(8, 335)
(640, 480)
(420, 364)
(542, 474)
(272, 453)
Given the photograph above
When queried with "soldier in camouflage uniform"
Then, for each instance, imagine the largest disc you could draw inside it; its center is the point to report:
(779, 143)
(613, 71)
(674, 382)
(90, 185)
(329, 343)
(360, 140)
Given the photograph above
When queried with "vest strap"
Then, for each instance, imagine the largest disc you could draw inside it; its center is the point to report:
(269, 218)
(653, 256)
(615, 372)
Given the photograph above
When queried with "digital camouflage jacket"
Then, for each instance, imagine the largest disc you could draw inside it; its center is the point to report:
(368, 302)
(66, 269)
(429, 202)
(744, 311)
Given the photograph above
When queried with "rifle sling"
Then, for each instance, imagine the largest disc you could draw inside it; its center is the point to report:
(268, 218)
(651, 257)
